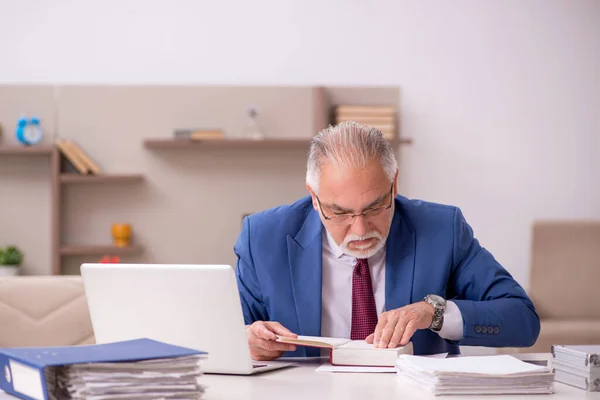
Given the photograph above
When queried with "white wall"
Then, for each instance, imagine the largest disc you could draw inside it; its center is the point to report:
(501, 97)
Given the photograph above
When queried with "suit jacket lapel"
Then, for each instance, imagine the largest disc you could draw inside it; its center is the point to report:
(400, 262)
(305, 259)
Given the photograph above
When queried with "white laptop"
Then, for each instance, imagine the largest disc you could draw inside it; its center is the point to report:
(195, 306)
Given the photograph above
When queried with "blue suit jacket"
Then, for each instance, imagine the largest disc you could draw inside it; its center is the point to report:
(430, 250)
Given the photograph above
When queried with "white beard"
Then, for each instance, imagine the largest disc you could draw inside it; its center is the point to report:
(365, 252)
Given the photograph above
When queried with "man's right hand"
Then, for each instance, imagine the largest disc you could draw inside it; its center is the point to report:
(262, 338)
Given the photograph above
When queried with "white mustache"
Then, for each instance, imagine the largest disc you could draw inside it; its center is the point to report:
(352, 237)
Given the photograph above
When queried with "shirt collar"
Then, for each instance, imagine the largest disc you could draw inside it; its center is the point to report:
(336, 250)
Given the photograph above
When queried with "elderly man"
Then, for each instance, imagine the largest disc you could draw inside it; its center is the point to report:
(356, 260)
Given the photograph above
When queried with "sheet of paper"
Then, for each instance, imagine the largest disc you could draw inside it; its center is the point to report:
(334, 342)
(482, 365)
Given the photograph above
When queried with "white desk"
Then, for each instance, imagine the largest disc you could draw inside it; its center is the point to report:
(302, 382)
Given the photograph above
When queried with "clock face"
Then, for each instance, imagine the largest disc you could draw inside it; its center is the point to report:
(32, 134)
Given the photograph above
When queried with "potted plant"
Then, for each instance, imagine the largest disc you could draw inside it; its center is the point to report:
(10, 260)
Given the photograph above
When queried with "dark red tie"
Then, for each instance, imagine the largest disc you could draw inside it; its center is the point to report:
(364, 312)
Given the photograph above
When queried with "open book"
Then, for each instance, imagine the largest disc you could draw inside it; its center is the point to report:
(351, 352)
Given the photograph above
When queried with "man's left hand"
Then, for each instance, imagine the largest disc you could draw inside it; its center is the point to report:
(396, 327)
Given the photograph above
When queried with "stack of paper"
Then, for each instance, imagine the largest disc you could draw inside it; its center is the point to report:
(161, 378)
(502, 374)
(132, 369)
(577, 365)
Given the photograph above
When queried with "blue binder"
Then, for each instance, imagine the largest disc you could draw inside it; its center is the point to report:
(22, 368)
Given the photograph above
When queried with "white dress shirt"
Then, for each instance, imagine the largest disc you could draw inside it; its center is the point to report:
(336, 313)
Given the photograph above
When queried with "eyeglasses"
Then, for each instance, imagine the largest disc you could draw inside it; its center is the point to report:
(349, 218)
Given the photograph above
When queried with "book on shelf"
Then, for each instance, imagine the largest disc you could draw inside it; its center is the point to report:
(198, 134)
(365, 110)
(577, 365)
(382, 118)
(65, 149)
(389, 125)
(132, 369)
(388, 131)
(92, 166)
(77, 157)
(346, 352)
(366, 120)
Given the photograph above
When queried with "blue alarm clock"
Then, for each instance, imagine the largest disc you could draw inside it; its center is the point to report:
(29, 131)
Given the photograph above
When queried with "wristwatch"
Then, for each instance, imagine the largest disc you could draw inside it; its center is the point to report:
(439, 307)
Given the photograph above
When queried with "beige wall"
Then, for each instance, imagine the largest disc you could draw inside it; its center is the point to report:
(189, 208)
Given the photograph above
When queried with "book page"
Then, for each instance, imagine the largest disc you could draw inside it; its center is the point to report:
(361, 344)
(314, 341)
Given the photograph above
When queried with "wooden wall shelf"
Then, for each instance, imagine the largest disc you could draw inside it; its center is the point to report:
(237, 143)
(26, 150)
(224, 143)
(91, 250)
(108, 178)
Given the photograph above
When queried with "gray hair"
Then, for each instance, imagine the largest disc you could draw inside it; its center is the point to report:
(348, 144)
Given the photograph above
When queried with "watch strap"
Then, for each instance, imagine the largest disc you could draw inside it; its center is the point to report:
(438, 314)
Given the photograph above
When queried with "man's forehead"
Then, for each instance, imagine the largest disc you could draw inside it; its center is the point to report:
(354, 198)
(333, 174)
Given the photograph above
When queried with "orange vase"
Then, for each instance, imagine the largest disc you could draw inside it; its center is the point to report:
(121, 234)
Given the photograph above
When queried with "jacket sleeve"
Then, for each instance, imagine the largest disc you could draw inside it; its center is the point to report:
(247, 279)
(496, 310)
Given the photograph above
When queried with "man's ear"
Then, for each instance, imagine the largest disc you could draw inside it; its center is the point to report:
(396, 183)
(314, 197)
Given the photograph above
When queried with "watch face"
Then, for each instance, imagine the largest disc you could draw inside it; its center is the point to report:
(439, 300)
(32, 134)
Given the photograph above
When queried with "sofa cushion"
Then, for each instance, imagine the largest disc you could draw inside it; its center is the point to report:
(44, 311)
(565, 270)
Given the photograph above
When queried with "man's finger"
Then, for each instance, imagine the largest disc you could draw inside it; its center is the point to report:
(369, 339)
(280, 329)
(278, 346)
(255, 341)
(263, 332)
(271, 345)
(381, 323)
(388, 331)
(398, 334)
(410, 330)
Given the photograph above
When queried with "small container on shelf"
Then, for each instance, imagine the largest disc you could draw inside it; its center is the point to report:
(121, 234)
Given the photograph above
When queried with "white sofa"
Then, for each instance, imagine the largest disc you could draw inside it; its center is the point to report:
(44, 311)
